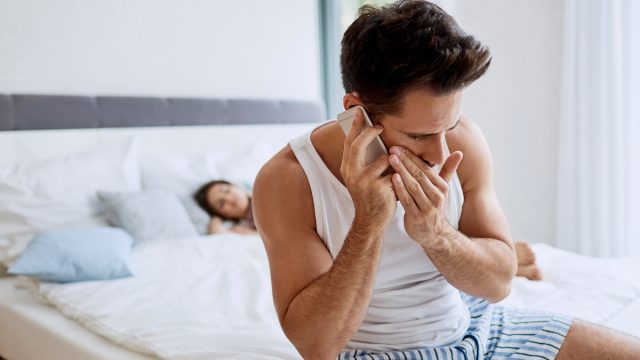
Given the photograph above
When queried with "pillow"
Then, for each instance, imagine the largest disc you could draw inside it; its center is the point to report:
(11, 246)
(62, 192)
(69, 255)
(242, 168)
(148, 215)
(181, 176)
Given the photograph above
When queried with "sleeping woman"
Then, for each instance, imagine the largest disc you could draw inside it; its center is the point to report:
(226, 201)
(223, 200)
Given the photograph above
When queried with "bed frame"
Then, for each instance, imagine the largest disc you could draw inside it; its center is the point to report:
(36, 127)
(41, 112)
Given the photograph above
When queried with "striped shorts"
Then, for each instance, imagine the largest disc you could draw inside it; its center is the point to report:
(495, 333)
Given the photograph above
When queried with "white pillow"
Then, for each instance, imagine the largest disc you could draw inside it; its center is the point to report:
(183, 176)
(148, 215)
(61, 192)
(242, 167)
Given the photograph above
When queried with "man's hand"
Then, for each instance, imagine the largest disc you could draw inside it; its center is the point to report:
(422, 193)
(372, 194)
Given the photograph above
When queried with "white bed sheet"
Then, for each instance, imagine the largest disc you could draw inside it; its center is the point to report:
(30, 329)
(207, 297)
(600, 290)
(210, 298)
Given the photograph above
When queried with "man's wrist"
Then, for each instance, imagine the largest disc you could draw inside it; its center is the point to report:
(442, 240)
(368, 223)
(365, 228)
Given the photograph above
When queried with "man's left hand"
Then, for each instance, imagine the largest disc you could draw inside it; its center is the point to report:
(422, 193)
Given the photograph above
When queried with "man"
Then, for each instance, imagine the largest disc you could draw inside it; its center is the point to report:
(368, 262)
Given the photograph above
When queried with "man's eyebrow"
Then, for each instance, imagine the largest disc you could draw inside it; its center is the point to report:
(422, 135)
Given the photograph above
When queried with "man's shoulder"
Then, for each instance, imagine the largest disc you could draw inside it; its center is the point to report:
(476, 166)
(283, 167)
(283, 178)
(282, 191)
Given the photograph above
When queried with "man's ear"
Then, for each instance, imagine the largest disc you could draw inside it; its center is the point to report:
(350, 100)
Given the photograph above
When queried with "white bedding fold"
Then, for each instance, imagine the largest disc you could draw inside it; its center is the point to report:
(593, 289)
(210, 298)
(199, 298)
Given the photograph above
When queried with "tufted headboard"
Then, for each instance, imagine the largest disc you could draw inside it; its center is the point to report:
(39, 112)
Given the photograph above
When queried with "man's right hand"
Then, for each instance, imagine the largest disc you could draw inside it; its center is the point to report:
(322, 299)
(371, 192)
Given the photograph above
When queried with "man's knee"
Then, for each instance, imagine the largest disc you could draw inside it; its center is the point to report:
(586, 340)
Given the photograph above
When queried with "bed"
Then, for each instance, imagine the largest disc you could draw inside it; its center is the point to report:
(199, 297)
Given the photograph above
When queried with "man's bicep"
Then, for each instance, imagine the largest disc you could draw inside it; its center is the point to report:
(296, 260)
(482, 215)
(284, 214)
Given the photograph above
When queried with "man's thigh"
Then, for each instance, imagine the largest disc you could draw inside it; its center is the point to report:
(586, 341)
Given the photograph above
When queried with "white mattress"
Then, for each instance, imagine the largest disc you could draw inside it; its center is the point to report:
(210, 298)
(207, 297)
(30, 330)
(600, 290)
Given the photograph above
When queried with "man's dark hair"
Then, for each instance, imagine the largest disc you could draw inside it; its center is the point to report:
(407, 45)
(201, 197)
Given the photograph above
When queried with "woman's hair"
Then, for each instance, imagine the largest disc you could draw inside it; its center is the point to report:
(404, 46)
(201, 197)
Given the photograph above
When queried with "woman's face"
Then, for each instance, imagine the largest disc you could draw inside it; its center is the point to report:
(229, 201)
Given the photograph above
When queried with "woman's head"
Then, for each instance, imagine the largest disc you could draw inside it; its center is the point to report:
(224, 199)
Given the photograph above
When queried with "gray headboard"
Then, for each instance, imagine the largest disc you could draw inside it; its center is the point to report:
(35, 112)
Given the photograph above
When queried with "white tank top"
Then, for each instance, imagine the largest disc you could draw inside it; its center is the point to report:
(412, 304)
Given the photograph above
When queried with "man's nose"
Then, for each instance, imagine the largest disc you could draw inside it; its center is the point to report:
(436, 152)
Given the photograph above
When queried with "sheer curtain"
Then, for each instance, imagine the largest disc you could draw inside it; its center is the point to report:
(599, 165)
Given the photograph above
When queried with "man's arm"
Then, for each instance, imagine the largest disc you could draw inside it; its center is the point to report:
(479, 259)
(320, 302)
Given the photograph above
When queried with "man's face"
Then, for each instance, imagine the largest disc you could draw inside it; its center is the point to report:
(422, 123)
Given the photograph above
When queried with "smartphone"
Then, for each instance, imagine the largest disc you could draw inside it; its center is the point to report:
(376, 147)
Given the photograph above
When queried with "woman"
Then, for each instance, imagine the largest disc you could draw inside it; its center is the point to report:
(226, 201)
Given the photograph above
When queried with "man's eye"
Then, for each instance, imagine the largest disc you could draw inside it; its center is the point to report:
(417, 137)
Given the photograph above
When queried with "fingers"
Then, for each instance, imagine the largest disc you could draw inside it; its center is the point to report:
(388, 180)
(435, 180)
(450, 166)
(403, 195)
(417, 189)
(356, 128)
(378, 166)
(425, 178)
(359, 145)
(420, 181)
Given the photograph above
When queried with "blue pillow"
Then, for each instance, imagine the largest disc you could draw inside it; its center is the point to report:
(101, 253)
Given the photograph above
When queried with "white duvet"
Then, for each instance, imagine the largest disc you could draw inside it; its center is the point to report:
(200, 298)
(210, 298)
(600, 290)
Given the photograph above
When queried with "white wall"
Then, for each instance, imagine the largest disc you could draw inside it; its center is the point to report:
(269, 49)
(517, 104)
(212, 48)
